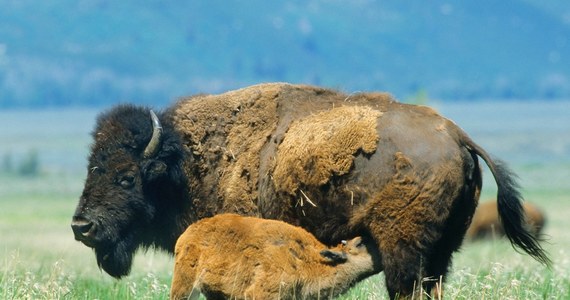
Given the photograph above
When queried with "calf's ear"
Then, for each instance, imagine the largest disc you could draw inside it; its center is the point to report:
(333, 256)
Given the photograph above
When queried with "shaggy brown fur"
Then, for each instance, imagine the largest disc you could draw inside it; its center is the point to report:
(236, 257)
(486, 223)
(225, 134)
(402, 176)
(323, 145)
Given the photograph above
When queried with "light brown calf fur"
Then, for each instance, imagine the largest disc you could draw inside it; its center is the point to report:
(230, 256)
(486, 223)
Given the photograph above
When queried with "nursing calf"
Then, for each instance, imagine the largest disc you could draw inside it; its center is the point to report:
(230, 256)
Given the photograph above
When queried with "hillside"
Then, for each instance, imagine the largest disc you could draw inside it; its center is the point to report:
(64, 52)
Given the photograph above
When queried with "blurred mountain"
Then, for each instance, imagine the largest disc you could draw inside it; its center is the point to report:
(98, 52)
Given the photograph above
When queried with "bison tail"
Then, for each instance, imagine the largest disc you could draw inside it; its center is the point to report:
(509, 205)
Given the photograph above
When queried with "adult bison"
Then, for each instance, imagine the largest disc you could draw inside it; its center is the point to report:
(340, 166)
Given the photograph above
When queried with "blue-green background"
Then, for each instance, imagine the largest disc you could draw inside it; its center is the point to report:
(100, 52)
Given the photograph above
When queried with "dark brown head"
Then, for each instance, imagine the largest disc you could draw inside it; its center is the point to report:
(133, 181)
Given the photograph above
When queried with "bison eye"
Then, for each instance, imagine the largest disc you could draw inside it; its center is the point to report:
(127, 181)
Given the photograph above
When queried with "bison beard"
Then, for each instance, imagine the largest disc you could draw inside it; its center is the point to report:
(402, 176)
(117, 259)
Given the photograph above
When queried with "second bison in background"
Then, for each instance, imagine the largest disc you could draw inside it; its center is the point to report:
(486, 222)
(234, 257)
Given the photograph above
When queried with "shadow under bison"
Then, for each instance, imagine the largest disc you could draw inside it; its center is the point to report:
(340, 166)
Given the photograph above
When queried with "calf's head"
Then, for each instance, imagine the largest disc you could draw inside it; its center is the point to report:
(131, 159)
(347, 250)
(353, 258)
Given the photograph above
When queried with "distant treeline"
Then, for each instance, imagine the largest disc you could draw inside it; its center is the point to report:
(97, 53)
(109, 94)
(28, 165)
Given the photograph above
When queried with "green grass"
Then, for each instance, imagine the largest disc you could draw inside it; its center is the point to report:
(40, 259)
(61, 280)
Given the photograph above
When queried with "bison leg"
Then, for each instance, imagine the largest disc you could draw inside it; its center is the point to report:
(183, 287)
(454, 231)
(184, 281)
(403, 272)
(437, 268)
(439, 261)
(412, 220)
(183, 290)
(404, 246)
(409, 273)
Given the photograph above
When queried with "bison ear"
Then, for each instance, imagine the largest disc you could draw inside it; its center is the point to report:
(154, 169)
(333, 256)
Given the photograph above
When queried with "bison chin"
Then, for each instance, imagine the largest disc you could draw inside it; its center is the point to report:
(117, 259)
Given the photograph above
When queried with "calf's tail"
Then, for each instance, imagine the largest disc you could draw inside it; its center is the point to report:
(509, 205)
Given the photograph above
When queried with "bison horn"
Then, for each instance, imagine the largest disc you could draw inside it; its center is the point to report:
(154, 142)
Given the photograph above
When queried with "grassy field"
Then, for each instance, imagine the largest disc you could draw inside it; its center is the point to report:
(39, 258)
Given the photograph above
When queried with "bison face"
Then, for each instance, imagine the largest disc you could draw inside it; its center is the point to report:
(112, 212)
(127, 169)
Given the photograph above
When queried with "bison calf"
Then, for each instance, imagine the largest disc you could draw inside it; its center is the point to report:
(230, 256)
(486, 222)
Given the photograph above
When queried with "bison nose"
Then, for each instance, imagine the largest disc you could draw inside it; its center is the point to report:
(83, 229)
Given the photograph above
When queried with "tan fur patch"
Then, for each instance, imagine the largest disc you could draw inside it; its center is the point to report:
(322, 145)
(226, 133)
